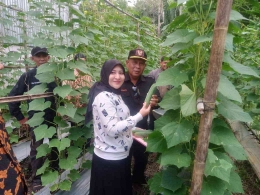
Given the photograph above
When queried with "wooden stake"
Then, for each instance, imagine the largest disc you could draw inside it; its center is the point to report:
(213, 76)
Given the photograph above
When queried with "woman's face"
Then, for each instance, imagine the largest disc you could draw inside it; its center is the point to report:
(116, 77)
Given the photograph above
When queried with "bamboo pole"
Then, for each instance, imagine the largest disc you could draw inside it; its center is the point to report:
(19, 67)
(212, 81)
(19, 98)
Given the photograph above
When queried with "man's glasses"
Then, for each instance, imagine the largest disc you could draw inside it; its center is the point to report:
(136, 92)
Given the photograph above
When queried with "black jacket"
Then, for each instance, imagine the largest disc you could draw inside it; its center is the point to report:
(26, 82)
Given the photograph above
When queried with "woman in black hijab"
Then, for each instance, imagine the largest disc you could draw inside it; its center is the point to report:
(111, 167)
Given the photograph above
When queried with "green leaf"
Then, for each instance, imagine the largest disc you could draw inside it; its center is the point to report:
(36, 120)
(43, 168)
(74, 152)
(171, 100)
(44, 132)
(59, 52)
(63, 91)
(179, 46)
(245, 70)
(43, 150)
(170, 180)
(155, 183)
(174, 156)
(14, 138)
(48, 67)
(74, 175)
(78, 118)
(38, 89)
(172, 76)
(176, 133)
(224, 136)
(59, 121)
(80, 65)
(203, 38)
(188, 101)
(181, 1)
(226, 88)
(65, 185)
(235, 183)
(60, 144)
(67, 110)
(213, 186)
(229, 42)
(156, 142)
(233, 112)
(66, 74)
(179, 36)
(68, 163)
(95, 31)
(77, 39)
(234, 15)
(39, 104)
(49, 177)
(168, 117)
(87, 164)
(75, 133)
(217, 167)
(47, 77)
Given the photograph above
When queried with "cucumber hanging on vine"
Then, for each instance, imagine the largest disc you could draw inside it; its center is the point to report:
(142, 133)
(149, 94)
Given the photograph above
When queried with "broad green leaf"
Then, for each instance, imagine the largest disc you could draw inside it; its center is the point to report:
(74, 152)
(95, 31)
(39, 104)
(80, 65)
(170, 180)
(46, 77)
(38, 89)
(74, 175)
(87, 164)
(226, 88)
(179, 46)
(213, 186)
(156, 142)
(60, 144)
(203, 38)
(66, 74)
(59, 121)
(14, 138)
(76, 11)
(77, 39)
(188, 101)
(49, 67)
(78, 118)
(54, 187)
(155, 183)
(67, 163)
(220, 168)
(172, 76)
(176, 133)
(67, 110)
(36, 120)
(174, 156)
(59, 52)
(179, 36)
(235, 15)
(62, 91)
(235, 183)
(12, 56)
(233, 112)
(229, 42)
(239, 67)
(65, 185)
(171, 100)
(43, 168)
(224, 136)
(43, 150)
(49, 177)
(75, 133)
(44, 132)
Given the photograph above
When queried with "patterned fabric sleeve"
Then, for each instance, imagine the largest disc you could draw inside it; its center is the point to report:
(111, 118)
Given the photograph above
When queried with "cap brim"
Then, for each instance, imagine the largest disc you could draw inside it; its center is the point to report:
(41, 52)
(137, 57)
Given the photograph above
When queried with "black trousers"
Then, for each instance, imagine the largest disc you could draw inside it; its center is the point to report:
(37, 163)
(140, 162)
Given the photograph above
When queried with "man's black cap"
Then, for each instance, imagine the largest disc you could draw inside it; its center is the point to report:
(137, 54)
(37, 50)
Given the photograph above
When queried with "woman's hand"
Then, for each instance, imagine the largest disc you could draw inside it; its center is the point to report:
(145, 110)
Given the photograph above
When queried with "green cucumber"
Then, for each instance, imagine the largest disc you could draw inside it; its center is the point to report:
(149, 94)
(142, 133)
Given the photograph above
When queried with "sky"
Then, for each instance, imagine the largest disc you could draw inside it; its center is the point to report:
(131, 2)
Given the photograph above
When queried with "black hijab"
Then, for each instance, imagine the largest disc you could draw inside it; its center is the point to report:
(102, 85)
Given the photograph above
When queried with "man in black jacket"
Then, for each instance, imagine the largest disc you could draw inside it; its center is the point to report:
(26, 82)
(134, 91)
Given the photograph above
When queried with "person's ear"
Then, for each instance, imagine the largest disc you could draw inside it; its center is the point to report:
(32, 58)
(48, 57)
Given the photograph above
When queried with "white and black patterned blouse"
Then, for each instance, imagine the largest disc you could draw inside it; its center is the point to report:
(112, 126)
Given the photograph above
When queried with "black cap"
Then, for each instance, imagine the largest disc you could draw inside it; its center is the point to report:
(37, 50)
(137, 54)
(79, 55)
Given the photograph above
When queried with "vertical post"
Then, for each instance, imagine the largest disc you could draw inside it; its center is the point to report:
(138, 33)
(212, 81)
